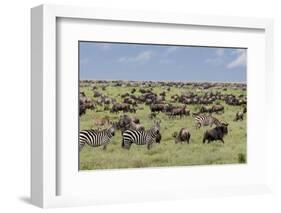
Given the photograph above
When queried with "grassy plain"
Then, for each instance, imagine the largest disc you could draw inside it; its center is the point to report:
(167, 153)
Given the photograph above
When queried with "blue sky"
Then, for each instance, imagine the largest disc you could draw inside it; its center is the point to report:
(120, 61)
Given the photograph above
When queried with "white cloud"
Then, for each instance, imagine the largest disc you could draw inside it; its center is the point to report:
(240, 59)
(141, 57)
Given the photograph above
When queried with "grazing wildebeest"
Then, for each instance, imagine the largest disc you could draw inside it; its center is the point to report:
(157, 107)
(239, 116)
(184, 135)
(120, 107)
(179, 111)
(86, 103)
(216, 133)
(218, 108)
(204, 109)
(97, 94)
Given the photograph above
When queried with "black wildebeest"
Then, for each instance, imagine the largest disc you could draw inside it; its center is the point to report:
(216, 133)
(157, 107)
(218, 108)
(204, 109)
(120, 107)
(181, 111)
(184, 135)
(239, 116)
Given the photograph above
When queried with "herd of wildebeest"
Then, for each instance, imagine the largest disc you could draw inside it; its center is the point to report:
(209, 102)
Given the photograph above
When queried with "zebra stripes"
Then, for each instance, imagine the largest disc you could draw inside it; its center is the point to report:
(140, 137)
(95, 138)
(206, 120)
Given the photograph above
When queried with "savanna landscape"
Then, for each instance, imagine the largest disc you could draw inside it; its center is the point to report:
(174, 105)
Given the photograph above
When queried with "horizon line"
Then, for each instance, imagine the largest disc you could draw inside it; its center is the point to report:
(182, 81)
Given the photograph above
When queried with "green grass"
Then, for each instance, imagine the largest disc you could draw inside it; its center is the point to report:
(167, 153)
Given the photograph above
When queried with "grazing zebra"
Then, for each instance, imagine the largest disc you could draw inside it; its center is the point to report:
(95, 138)
(206, 120)
(140, 137)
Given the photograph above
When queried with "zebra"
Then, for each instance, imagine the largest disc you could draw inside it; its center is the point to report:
(95, 138)
(205, 120)
(140, 137)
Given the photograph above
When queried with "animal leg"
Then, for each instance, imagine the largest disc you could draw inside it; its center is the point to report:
(104, 147)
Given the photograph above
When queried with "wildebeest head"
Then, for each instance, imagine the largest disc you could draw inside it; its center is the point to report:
(158, 138)
(223, 128)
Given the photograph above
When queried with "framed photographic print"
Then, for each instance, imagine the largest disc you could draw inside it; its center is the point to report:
(147, 106)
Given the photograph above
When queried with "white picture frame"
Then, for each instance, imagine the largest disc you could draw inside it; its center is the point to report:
(46, 177)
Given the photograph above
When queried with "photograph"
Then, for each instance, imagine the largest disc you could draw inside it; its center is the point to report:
(161, 105)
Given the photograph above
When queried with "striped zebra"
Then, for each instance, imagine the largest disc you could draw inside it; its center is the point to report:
(206, 120)
(140, 137)
(95, 138)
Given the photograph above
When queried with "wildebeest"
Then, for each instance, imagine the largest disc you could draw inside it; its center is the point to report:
(239, 116)
(120, 107)
(183, 135)
(204, 109)
(179, 111)
(218, 108)
(157, 107)
(97, 94)
(216, 133)
(85, 103)
(126, 122)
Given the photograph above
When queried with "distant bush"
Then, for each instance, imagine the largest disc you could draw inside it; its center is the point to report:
(241, 158)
